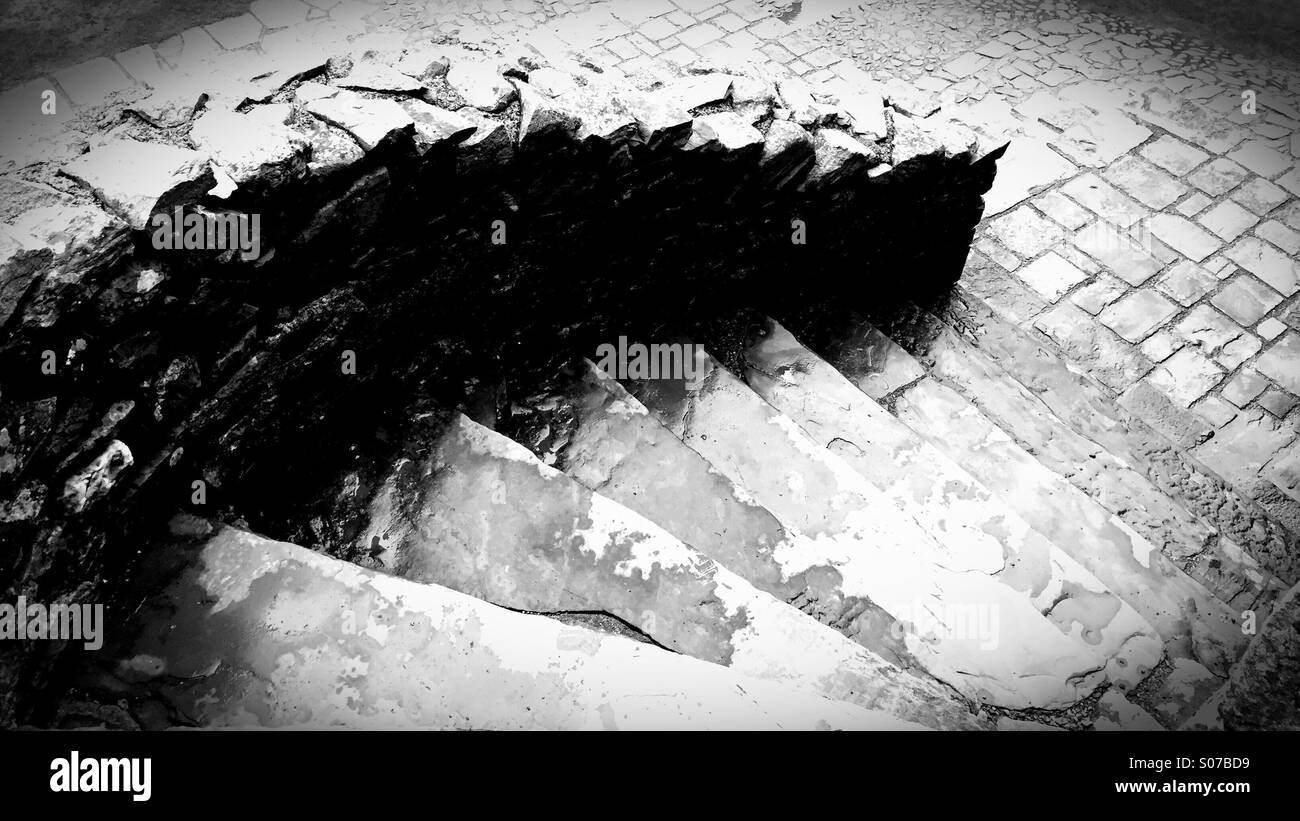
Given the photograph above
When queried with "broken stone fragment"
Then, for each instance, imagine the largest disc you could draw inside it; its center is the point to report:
(602, 113)
(369, 75)
(137, 179)
(91, 483)
(480, 84)
(268, 155)
(911, 141)
(787, 154)
(907, 99)
(796, 97)
(539, 115)
(435, 126)
(489, 146)
(691, 92)
(552, 81)
(837, 156)
(725, 132)
(332, 150)
(866, 112)
(752, 90)
(935, 135)
(829, 114)
(223, 80)
(312, 90)
(368, 120)
(661, 123)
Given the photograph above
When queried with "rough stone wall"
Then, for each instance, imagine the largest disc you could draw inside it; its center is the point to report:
(435, 225)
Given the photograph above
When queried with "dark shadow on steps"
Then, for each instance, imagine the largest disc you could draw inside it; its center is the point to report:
(236, 369)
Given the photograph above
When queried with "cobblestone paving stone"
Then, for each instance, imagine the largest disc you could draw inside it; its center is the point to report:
(1145, 221)
(1197, 237)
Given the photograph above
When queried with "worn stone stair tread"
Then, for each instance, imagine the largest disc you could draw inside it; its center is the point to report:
(251, 632)
(1198, 548)
(872, 551)
(1193, 623)
(946, 500)
(1129, 565)
(482, 515)
(1167, 455)
(615, 447)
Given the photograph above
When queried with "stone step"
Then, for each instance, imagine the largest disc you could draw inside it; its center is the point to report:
(1192, 621)
(947, 501)
(1209, 557)
(861, 549)
(604, 438)
(1145, 431)
(248, 632)
(482, 515)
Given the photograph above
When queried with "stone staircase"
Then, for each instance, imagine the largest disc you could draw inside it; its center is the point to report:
(852, 516)
(887, 521)
(909, 494)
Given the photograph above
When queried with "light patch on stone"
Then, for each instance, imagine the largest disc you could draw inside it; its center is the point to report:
(233, 560)
(493, 444)
(625, 408)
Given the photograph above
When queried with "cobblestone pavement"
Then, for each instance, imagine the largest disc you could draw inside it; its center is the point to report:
(1146, 217)
(1145, 223)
